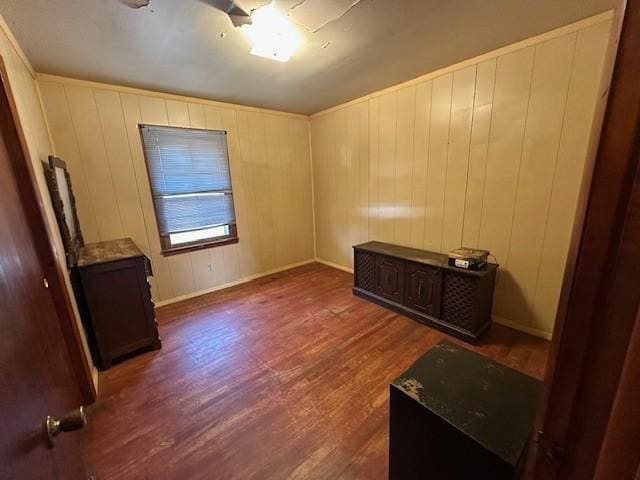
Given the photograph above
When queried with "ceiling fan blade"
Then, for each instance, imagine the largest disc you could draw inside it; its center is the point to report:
(238, 15)
(135, 3)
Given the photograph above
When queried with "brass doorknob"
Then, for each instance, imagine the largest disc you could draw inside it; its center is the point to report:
(73, 420)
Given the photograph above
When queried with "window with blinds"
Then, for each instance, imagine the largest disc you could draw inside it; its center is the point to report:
(190, 185)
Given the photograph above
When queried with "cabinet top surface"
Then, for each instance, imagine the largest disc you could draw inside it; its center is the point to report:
(109, 251)
(493, 404)
(420, 256)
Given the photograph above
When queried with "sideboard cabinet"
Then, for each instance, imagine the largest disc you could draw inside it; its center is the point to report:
(422, 285)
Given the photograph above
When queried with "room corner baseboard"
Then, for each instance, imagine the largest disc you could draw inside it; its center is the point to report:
(522, 328)
(242, 280)
(334, 265)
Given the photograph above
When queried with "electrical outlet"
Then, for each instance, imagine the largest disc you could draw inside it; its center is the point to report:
(210, 267)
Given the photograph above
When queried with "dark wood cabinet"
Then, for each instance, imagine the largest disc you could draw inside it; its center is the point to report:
(116, 300)
(422, 285)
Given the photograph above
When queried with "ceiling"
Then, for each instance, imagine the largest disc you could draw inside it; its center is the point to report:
(187, 47)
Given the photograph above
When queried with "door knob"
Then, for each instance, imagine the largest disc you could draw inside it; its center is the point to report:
(73, 420)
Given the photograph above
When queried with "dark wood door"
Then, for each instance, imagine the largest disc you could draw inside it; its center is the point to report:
(423, 289)
(36, 378)
(390, 278)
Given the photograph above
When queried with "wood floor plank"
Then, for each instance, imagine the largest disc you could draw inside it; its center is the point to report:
(284, 377)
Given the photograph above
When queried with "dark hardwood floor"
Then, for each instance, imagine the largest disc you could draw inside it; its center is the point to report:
(283, 377)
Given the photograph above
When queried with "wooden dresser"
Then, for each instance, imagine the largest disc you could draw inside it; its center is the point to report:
(423, 286)
(115, 300)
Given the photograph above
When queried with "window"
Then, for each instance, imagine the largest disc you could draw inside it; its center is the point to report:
(191, 187)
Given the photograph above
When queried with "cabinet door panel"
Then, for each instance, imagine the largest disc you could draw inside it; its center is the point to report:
(423, 288)
(365, 271)
(390, 278)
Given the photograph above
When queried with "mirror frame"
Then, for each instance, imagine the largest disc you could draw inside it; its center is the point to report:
(71, 245)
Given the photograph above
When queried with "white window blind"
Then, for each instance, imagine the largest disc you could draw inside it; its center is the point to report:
(190, 178)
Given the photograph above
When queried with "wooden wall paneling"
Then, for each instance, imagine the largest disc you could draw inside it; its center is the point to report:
(455, 189)
(374, 168)
(305, 165)
(325, 194)
(292, 163)
(437, 167)
(236, 255)
(584, 90)
(301, 229)
(405, 125)
(260, 172)
(119, 157)
(363, 149)
(318, 146)
(388, 115)
(513, 82)
(177, 114)
(549, 87)
(65, 144)
(84, 117)
(275, 157)
(342, 165)
(273, 148)
(331, 192)
(483, 170)
(422, 126)
(354, 175)
(287, 169)
(251, 260)
(478, 151)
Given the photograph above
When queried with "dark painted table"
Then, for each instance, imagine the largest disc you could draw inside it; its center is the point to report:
(455, 414)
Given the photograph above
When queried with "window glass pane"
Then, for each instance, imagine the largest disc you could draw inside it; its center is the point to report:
(194, 236)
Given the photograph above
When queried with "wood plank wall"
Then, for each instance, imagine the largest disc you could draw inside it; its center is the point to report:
(489, 155)
(94, 128)
(24, 87)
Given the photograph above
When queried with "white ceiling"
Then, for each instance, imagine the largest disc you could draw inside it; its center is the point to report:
(176, 45)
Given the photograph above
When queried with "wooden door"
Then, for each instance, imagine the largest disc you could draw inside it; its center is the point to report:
(423, 289)
(36, 376)
(390, 278)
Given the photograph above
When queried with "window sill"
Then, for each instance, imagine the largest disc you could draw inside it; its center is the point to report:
(199, 246)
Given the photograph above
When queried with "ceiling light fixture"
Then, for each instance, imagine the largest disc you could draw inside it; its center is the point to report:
(272, 34)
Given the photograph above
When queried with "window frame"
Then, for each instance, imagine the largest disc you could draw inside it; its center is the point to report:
(166, 248)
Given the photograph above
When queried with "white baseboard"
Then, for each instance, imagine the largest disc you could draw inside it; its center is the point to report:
(334, 265)
(187, 296)
(522, 328)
